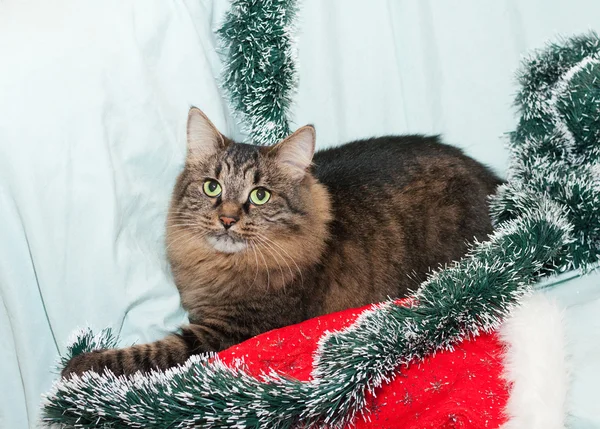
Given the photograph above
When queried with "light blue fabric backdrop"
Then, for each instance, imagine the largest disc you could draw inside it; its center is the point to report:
(93, 101)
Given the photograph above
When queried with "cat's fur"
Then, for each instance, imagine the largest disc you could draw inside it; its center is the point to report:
(366, 221)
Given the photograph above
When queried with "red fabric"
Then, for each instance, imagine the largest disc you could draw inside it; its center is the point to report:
(460, 389)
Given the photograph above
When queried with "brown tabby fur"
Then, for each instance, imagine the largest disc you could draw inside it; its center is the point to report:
(366, 222)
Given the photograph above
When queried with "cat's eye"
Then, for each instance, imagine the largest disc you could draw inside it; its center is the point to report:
(212, 188)
(259, 196)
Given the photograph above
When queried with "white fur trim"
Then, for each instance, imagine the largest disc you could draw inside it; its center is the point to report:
(535, 364)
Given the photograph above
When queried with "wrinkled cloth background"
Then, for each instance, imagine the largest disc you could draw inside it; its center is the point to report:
(93, 102)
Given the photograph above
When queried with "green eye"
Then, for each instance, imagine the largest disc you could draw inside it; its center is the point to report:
(212, 188)
(259, 196)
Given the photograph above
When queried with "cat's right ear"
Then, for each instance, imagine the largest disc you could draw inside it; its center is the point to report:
(203, 138)
(295, 153)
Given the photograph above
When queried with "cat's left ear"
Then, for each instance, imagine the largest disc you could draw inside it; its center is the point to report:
(203, 138)
(295, 153)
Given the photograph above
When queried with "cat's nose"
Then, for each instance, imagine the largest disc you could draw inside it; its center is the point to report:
(228, 221)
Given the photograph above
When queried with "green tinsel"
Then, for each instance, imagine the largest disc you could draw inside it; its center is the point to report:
(260, 69)
(546, 221)
(84, 340)
(556, 146)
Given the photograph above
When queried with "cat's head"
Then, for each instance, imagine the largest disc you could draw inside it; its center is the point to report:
(234, 198)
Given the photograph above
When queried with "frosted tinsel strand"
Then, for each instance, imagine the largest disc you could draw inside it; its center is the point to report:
(546, 220)
(545, 92)
(260, 71)
(84, 340)
(555, 150)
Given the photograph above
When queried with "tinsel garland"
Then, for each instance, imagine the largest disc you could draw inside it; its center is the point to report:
(260, 69)
(546, 221)
(556, 146)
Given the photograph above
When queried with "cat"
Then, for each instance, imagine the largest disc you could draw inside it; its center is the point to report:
(264, 237)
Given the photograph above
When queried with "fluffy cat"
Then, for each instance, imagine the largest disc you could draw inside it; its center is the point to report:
(264, 237)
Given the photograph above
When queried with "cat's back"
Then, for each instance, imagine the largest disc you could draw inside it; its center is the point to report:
(401, 206)
(393, 160)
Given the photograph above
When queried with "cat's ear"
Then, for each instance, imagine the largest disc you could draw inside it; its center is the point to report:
(295, 153)
(203, 138)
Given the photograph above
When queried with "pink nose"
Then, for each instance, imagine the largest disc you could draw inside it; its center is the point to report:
(228, 221)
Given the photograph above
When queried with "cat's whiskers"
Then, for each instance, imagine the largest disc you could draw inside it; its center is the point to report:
(174, 220)
(184, 238)
(179, 212)
(286, 253)
(271, 249)
(183, 212)
(264, 242)
(180, 228)
(185, 227)
(284, 260)
(181, 218)
(175, 225)
(188, 219)
(186, 235)
(266, 266)
(189, 222)
(249, 243)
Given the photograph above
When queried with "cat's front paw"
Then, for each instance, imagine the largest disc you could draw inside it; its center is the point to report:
(92, 361)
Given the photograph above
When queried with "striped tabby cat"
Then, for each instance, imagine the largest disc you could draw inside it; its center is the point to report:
(264, 237)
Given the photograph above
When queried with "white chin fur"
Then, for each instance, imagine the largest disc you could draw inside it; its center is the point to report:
(226, 244)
